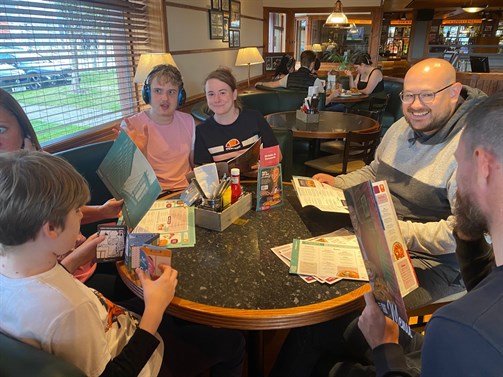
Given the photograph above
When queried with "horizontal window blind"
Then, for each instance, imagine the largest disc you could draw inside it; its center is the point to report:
(70, 63)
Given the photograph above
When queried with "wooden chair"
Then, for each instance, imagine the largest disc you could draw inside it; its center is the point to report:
(419, 317)
(359, 150)
(376, 109)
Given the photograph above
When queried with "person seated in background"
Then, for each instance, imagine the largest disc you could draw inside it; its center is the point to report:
(42, 305)
(163, 134)
(416, 158)
(368, 80)
(231, 130)
(16, 132)
(301, 79)
(462, 338)
(285, 66)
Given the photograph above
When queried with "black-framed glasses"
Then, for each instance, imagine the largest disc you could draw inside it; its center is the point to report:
(424, 97)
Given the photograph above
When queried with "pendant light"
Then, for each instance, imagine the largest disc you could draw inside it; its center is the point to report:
(472, 9)
(337, 19)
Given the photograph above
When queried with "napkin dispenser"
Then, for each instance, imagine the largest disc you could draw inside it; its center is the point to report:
(219, 221)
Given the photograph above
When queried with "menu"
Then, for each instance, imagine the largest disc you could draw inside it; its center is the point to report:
(173, 221)
(388, 264)
(128, 175)
(325, 197)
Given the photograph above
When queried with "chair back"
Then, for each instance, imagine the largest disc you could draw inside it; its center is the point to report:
(376, 109)
(360, 146)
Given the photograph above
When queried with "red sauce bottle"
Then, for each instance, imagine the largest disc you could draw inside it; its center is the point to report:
(235, 185)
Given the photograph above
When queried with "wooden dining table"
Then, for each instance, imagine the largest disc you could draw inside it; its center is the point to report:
(331, 124)
(350, 98)
(232, 279)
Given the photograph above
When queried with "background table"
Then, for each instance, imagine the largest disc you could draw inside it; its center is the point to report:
(350, 99)
(332, 125)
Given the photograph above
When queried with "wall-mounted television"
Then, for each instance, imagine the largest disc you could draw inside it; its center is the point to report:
(479, 63)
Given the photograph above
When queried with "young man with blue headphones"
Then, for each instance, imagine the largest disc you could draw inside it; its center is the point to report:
(164, 135)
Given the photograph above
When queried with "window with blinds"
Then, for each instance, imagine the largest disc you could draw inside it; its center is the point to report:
(69, 63)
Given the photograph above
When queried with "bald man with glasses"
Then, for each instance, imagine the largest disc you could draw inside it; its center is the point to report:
(416, 158)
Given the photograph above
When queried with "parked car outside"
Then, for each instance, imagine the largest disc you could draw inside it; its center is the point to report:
(12, 79)
(40, 71)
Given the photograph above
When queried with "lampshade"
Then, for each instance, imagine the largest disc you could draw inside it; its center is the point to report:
(337, 19)
(472, 9)
(317, 47)
(148, 62)
(249, 56)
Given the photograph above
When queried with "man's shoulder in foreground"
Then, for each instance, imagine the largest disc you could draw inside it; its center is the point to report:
(468, 332)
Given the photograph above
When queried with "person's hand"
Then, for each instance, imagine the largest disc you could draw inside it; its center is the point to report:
(83, 254)
(258, 83)
(325, 178)
(375, 326)
(140, 139)
(335, 93)
(28, 144)
(157, 295)
(348, 72)
(80, 240)
(111, 209)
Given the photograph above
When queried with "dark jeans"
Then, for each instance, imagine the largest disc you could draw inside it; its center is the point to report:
(190, 349)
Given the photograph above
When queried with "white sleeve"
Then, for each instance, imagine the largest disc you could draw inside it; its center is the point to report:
(78, 336)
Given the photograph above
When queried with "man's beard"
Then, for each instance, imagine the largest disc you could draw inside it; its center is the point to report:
(470, 221)
(435, 125)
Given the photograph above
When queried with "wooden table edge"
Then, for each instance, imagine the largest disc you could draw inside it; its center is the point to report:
(254, 319)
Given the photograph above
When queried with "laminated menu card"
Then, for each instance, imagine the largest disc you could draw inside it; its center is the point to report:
(128, 175)
(388, 264)
(173, 221)
(269, 179)
(320, 195)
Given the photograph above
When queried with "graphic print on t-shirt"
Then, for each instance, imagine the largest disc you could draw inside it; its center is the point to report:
(232, 144)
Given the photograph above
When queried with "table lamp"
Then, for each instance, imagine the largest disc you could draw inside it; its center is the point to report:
(248, 56)
(148, 62)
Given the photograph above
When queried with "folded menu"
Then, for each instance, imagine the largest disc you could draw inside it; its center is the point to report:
(388, 264)
(128, 175)
(323, 196)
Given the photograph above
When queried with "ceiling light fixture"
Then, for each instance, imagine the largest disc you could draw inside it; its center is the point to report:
(472, 9)
(337, 19)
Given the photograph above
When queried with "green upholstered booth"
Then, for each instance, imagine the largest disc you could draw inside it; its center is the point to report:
(20, 359)
(393, 87)
(265, 100)
(86, 160)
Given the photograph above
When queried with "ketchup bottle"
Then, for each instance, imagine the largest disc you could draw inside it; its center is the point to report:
(235, 185)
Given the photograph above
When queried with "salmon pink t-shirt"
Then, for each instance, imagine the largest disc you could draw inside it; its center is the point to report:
(169, 147)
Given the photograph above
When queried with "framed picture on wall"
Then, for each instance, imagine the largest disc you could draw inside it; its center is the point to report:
(235, 14)
(216, 25)
(234, 38)
(225, 38)
(226, 5)
(215, 4)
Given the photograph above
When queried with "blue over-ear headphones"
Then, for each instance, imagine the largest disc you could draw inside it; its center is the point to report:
(145, 92)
